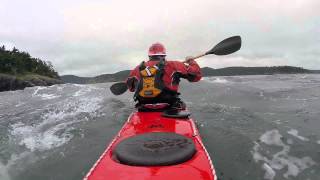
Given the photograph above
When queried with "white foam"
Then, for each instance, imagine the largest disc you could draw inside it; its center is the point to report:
(81, 92)
(79, 85)
(276, 163)
(48, 96)
(289, 141)
(216, 80)
(294, 133)
(304, 76)
(37, 89)
(84, 89)
(272, 138)
(59, 87)
(5, 168)
(261, 94)
(270, 173)
(20, 104)
(297, 165)
(278, 121)
(44, 96)
(54, 129)
(33, 139)
(4, 174)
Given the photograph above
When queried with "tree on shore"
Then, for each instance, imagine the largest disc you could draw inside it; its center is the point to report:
(16, 62)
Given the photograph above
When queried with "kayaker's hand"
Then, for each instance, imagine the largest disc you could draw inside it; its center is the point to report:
(189, 59)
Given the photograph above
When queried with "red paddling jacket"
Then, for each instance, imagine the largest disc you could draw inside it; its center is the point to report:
(172, 72)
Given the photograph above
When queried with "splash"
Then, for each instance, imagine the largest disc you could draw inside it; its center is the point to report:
(32, 138)
(55, 126)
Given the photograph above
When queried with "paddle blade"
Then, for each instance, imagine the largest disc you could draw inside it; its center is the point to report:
(118, 88)
(227, 46)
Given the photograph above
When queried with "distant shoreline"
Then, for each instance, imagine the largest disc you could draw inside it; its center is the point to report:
(10, 82)
(206, 71)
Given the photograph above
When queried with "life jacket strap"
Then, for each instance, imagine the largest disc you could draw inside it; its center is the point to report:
(156, 73)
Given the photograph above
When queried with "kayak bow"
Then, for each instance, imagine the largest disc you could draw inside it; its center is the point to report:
(153, 147)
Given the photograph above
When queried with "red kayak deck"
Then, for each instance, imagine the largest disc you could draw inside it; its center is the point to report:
(199, 167)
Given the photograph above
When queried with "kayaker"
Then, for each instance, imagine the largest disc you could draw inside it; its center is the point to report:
(157, 80)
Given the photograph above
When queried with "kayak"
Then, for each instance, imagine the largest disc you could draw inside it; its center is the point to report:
(158, 145)
(155, 146)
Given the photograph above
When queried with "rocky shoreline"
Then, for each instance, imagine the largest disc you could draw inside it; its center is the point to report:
(10, 82)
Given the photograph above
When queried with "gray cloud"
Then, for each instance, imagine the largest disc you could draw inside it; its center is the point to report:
(92, 37)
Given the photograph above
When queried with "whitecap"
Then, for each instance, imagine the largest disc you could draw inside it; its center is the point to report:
(294, 133)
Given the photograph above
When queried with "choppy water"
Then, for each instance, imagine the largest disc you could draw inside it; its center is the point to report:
(254, 127)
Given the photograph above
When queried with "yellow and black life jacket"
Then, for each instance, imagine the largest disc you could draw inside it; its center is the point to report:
(150, 84)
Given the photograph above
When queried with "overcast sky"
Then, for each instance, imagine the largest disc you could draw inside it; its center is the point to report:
(91, 37)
